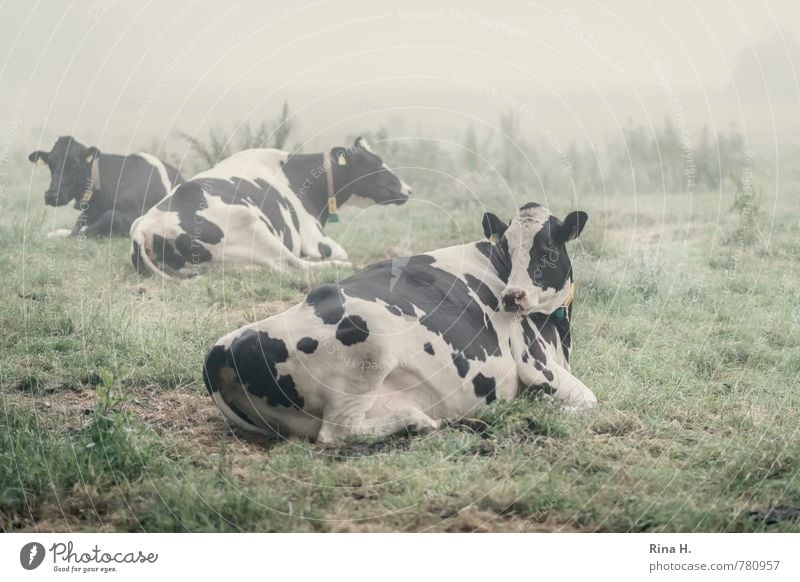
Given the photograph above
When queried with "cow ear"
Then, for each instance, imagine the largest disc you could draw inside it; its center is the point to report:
(572, 227)
(91, 154)
(38, 157)
(493, 227)
(339, 156)
(361, 144)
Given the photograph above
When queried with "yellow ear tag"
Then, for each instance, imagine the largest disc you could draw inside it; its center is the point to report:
(571, 295)
(341, 160)
(332, 216)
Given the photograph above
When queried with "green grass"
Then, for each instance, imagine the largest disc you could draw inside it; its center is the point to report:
(105, 422)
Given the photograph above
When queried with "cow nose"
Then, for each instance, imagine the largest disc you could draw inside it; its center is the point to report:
(407, 190)
(50, 197)
(513, 299)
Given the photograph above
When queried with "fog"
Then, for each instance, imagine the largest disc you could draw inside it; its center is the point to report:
(123, 74)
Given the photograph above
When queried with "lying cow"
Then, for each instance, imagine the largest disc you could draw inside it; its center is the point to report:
(408, 342)
(262, 206)
(111, 191)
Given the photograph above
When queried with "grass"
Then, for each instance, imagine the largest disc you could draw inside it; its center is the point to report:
(106, 425)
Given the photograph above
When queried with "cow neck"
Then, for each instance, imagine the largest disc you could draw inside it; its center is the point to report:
(315, 183)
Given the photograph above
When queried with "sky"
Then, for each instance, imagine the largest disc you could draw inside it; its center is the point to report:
(121, 74)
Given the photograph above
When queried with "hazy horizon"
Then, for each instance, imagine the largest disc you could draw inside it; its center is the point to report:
(120, 75)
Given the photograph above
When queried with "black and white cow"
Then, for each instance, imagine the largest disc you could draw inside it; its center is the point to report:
(111, 191)
(262, 206)
(405, 343)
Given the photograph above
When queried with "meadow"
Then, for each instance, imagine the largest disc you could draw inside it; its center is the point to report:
(685, 327)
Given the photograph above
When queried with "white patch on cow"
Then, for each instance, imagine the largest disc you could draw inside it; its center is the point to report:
(362, 143)
(250, 165)
(162, 170)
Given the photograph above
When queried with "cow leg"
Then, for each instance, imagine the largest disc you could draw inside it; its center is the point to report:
(337, 426)
(110, 222)
(329, 249)
(260, 247)
(363, 406)
(566, 387)
(570, 390)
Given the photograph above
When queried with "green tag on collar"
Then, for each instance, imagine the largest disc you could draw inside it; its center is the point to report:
(333, 217)
(560, 313)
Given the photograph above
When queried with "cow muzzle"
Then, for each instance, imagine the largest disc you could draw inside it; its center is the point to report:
(514, 299)
(51, 198)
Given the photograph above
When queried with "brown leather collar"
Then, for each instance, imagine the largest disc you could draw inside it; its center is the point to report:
(94, 181)
(328, 166)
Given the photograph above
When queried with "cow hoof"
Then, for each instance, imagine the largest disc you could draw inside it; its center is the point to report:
(424, 425)
(60, 233)
(584, 404)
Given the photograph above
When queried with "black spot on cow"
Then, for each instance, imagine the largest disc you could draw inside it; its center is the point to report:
(545, 372)
(352, 330)
(307, 345)
(549, 266)
(293, 214)
(254, 356)
(394, 310)
(328, 303)
(443, 302)
(213, 364)
(165, 253)
(484, 387)
(483, 292)
(552, 329)
(136, 258)
(546, 324)
(532, 342)
(530, 205)
(191, 250)
(461, 363)
(187, 200)
(428, 347)
(544, 388)
(324, 250)
(498, 257)
(240, 413)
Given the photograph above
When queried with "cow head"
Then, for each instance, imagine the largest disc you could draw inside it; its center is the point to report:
(534, 242)
(70, 165)
(366, 179)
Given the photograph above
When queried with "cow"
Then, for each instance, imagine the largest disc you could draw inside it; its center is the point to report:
(110, 190)
(264, 207)
(409, 342)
